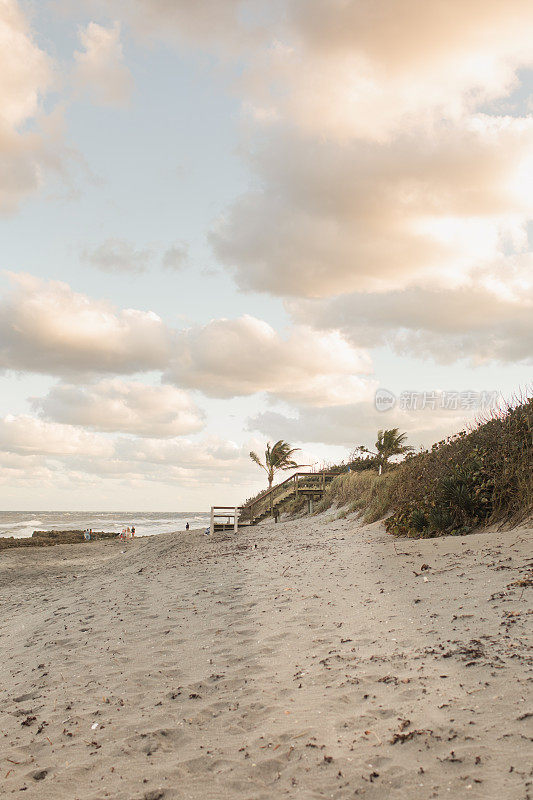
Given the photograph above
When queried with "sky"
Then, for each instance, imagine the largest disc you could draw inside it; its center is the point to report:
(232, 221)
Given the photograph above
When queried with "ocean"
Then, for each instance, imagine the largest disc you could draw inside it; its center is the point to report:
(147, 523)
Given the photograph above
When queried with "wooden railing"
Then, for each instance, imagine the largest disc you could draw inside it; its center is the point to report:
(309, 484)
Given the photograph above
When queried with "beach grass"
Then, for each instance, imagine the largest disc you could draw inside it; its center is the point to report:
(476, 477)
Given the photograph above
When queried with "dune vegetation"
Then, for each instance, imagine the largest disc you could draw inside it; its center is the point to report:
(468, 480)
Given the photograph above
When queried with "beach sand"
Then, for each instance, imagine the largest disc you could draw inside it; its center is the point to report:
(308, 659)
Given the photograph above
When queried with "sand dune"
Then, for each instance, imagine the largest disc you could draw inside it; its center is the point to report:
(308, 659)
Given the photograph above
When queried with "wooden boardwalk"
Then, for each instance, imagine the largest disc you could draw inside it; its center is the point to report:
(310, 485)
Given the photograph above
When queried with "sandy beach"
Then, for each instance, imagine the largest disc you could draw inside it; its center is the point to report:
(309, 659)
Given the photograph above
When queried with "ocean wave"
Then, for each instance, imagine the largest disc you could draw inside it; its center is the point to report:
(22, 524)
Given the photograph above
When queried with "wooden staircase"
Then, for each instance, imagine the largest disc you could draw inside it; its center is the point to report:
(309, 485)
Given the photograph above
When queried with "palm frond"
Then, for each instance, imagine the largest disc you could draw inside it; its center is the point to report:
(255, 458)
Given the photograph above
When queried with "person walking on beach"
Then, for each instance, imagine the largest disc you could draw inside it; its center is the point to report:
(187, 526)
(133, 531)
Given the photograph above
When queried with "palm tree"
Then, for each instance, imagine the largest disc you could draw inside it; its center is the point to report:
(277, 457)
(389, 443)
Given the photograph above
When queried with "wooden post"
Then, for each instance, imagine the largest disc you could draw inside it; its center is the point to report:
(236, 520)
(212, 526)
(296, 485)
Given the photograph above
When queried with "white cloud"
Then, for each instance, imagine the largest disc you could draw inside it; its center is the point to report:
(357, 424)
(25, 70)
(211, 453)
(25, 76)
(333, 219)
(117, 255)
(371, 68)
(445, 323)
(344, 68)
(100, 65)
(50, 329)
(33, 450)
(127, 407)
(25, 434)
(226, 358)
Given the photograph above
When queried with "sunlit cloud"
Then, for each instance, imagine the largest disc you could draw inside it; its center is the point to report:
(364, 68)
(446, 324)
(26, 434)
(122, 406)
(389, 206)
(100, 67)
(28, 144)
(33, 450)
(333, 219)
(356, 424)
(50, 329)
(226, 358)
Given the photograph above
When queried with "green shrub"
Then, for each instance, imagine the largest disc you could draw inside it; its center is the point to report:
(476, 477)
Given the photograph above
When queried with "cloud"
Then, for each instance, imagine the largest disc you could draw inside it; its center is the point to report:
(22, 470)
(357, 424)
(100, 65)
(210, 453)
(25, 76)
(26, 70)
(446, 324)
(333, 219)
(117, 255)
(50, 329)
(34, 450)
(127, 407)
(226, 358)
(371, 68)
(205, 22)
(380, 178)
(25, 434)
(176, 257)
(363, 68)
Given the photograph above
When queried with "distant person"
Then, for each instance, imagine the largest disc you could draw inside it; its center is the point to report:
(132, 531)
(207, 531)
(187, 526)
